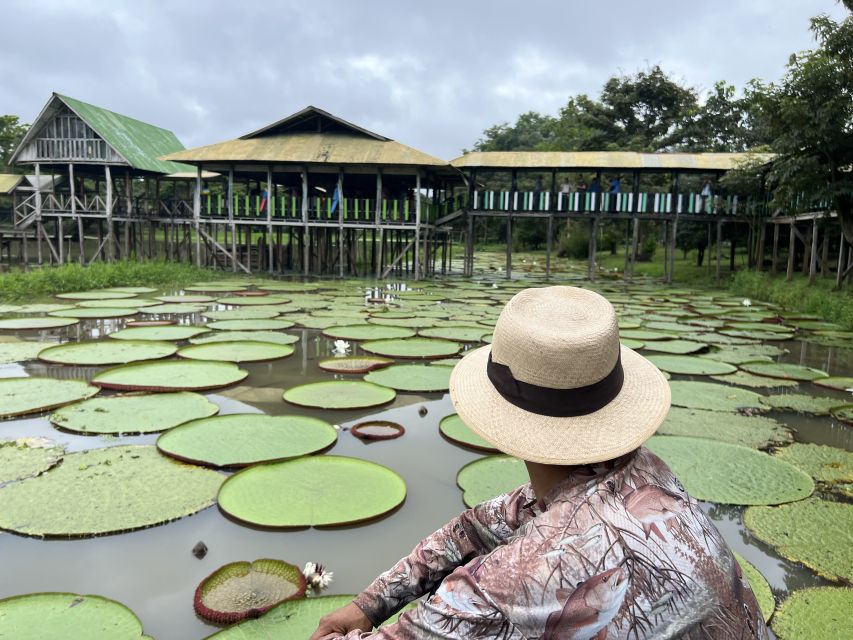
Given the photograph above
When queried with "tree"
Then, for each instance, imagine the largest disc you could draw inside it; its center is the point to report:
(809, 116)
(11, 134)
(530, 132)
(723, 123)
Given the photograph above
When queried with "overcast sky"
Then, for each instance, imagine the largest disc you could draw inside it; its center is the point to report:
(429, 74)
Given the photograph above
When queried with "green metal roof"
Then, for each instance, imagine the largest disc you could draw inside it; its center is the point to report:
(140, 143)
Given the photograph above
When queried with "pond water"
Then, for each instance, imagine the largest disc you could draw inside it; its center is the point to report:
(153, 571)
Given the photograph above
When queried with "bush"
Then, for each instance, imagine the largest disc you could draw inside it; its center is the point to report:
(647, 250)
(574, 241)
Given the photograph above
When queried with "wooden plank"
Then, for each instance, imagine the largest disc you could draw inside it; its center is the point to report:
(197, 215)
(792, 239)
(417, 255)
(306, 248)
(719, 250)
(270, 204)
(109, 237)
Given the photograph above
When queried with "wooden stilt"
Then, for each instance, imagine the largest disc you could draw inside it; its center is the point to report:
(549, 240)
(719, 249)
(839, 271)
(813, 252)
(635, 239)
(593, 249)
(792, 238)
(110, 237)
(672, 240)
(509, 245)
(762, 236)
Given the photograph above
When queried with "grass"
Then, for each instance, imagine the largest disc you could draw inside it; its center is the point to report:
(20, 285)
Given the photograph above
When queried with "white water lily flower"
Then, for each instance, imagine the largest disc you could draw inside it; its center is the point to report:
(494, 285)
(316, 576)
(341, 347)
(747, 302)
(850, 390)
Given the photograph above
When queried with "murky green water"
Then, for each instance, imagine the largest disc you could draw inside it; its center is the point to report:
(154, 572)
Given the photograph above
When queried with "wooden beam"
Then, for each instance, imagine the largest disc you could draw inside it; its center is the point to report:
(635, 240)
(270, 205)
(593, 248)
(231, 219)
(399, 257)
(549, 241)
(306, 248)
(340, 188)
(719, 250)
(109, 238)
(197, 215)
(774, 260)
(417, 255)
(792, 239)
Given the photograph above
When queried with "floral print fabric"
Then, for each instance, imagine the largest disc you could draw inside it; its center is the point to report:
(616, 551)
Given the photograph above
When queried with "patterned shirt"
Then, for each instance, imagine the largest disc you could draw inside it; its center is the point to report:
(617, 550)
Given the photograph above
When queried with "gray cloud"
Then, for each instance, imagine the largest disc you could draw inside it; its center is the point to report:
(432, 75)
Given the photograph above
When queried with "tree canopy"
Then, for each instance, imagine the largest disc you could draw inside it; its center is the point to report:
(11, 134)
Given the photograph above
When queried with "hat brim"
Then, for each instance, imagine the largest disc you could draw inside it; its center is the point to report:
(619, 427)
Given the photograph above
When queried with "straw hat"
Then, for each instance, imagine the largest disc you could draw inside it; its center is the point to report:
(555, 386)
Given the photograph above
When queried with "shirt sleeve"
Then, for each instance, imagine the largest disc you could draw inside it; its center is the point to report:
(475, 532)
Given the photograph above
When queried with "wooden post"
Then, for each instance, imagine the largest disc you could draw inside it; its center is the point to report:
(127, 209)
(813, 252)
(417, 248)
(792, 238)
(72, 187)
(306, 248)
(824, 254)
(340, 187)
(512, 202)
(549, 242)
(270, 205)
(719, 249)
(593, 243)
(469, 247)
(774, 260)
(231, 224)
(839, 272)
(635, 240)
(110, 237)
(673, 231)
(762, 235)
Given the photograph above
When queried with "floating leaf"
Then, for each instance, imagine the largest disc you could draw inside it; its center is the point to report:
(100, 352)
(749, 353)
(253, 300)
(759, 586)
(730, 474)
(102, 294)
(97, 313)
(21, 351)
(820, 612)
(240, 351)
(802, 403)
(690, 365)
(274, 337)
(632, 344)
(843, 414)
(107, 491)
(813, 532)
(716, 397)
(296, 619)
(489, 477)
(756, 432)
(835, 382)
(783, 370)
(677, 347)
(413, 377)
(339, 394)
(24, 324)
(411, 323)
(312, 491)
(27, 457)
(133, 290)
(20, 396)
(644, 335)
(354, 364)
(158, 333)
(67, 616)
(173, 308)
(243, 590)
(43, 307)
(744, 379)
(367, 332)
(129, 303)
(824, 464)
(243, 313)
(377, 430)
(460, 334)
(172, 375)
(240, 439)
(412, 348)
(454, 429)
(135, 413)
(251, 325)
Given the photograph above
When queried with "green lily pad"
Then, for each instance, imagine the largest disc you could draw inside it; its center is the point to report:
(133, 413)
(783, 370)
(190, 299)
(240, 439)
(415, 348)
(410, 323)
(274, 337)
(260, 324)
(27, 457)
(96, 313)
(290, 287)
(757, 335)
(843, 413)
(739, 354)
(100, 352)
(132, 289)
(243, 313)
(172, 375)
(21, 350)
(312, 323)
(242, 590)
(757, 432)
(129, 303)
(312, 491)
(20, 396)
(241, 351)
(730, 474)
(107, 491)
(716, 397)
(413, 377)
(295, 619)
(367, 332)
(676, 347)
(245, 301)
(174, 308)
(644, 335)
(490, 477)
(459, 334)
(823, 463)
(839, 383)
(40, 322)
(455, 430)
(813, 532)
(209, 287)
(759, 586)
(42, 307)
(744, 379)
(690, 365)
(802, 403)
(820, 612)
(339, 394)
(632, 344)
(95, 295)
(67, 616)
(169, 332)
(354, 364)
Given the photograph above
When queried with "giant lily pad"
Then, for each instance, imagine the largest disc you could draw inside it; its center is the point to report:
(27, 457)
(730, 474)
(839, 383)
(455, 430)
(412, 348)
(295, 619)
(824, 464)
(21, 351)
(716, 397)
(253, 300)
(814, 532)
(96, 313)
(242, 313)
(100, 352)
(413, 377)
(172, 375)
(40, 322)
(354, 364)
(759, 586)
(744, 379)
(676, 347)
(843, 414)
(756, 432)
(242, 351)
(67, 616)
(101, 294)
(251, 325)
(274, 337)
(243, 590)
(129, 303)
(802, 403)
(186, 299)
(489, 477)
(107, 491)
(239, 439)
(158, 333)
(20, 396)
(134, 413)
(312, 491)
(367, 332)
(690, 365)
(460, 334)
(173, 308)
(339, 394)
(821, 612)
(783, 370)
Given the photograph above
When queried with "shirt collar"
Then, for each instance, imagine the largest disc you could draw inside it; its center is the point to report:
(584, 478)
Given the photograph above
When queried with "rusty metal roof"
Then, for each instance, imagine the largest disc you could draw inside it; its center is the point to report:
(624, 160)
